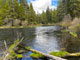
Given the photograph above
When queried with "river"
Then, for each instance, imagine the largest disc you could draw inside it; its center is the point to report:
(45, 39)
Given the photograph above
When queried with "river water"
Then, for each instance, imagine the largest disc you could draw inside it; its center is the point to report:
(45, 39)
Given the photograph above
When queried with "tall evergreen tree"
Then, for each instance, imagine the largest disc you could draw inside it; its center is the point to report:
(2, 13)
(54, 16)
(32, 15)
(43, 18)
(26, 7)
(73, 8)
(48, 14)
(21, 12)
(10, 13)
(60, 11)
(16, 8)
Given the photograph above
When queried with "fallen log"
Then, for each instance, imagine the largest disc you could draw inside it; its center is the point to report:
(70, 55)
(47, 55)
(44, 54)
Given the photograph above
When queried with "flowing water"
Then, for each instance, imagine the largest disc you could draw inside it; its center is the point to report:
(45, 39)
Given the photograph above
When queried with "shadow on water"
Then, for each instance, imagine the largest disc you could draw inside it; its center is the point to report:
(43, 39)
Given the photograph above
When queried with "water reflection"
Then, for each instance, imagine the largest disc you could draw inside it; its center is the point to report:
(46, 40)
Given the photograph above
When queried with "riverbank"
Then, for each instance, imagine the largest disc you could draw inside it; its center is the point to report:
(6, 27)
(38, 25)
(72, 25)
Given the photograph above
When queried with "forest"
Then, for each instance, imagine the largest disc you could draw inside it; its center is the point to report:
(20, 13)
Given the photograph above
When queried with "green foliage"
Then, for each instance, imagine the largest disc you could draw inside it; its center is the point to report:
(21, 51)
(48, 15)
(34, 55)
(43, 18)
(11, 50)
(31, 15)
(59, 54)
(54, 16)
(16, 8)
(64, 31)
(60, 11)
(13, 45)
(73, 34)
(21, 12)
(28, 48)
(73, 8)
(12, 10)
(19, 55)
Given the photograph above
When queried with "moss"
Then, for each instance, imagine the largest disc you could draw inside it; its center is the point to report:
(64, 31)
(73, 34)
(36, 55)
(28, 48)
(59, 54)
(21, 51)
(19, 55)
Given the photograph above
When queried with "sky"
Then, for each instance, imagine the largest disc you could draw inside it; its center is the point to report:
(41, 5)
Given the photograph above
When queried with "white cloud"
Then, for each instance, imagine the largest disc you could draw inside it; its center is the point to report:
(41, 5)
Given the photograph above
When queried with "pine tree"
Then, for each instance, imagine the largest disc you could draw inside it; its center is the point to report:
(26, 7)
(43, 17)
(24, 2)
(48, 14)
(16, 8)
(31, 15)
(60, 11)
(54, 16)
(73, 8)
(10, 13)
(21, 12)
(2, 13)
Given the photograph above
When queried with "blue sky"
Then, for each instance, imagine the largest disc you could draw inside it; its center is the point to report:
(54, 2)
(41, 5)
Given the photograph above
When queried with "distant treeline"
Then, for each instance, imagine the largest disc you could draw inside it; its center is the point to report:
(20, 13)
